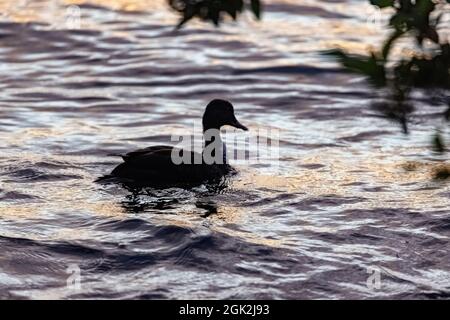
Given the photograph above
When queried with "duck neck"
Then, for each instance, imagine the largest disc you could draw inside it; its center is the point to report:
(214, 146)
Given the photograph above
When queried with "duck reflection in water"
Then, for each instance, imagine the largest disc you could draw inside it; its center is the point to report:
(144, 199)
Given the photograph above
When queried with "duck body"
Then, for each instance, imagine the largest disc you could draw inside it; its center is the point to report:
(155, 165)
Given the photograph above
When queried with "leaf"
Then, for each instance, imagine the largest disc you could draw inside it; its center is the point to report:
(447, 113)
(401, 22)
(370, 66)
(188, 14)
(388, 44)
(213, 10)
(432, 34)
(438, 143)
(382, 3)
(256, 8)
(233, 8)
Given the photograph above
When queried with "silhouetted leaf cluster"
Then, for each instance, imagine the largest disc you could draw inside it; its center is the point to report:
(371, 66)
(213, 10)
(428, 68)
(438, 143)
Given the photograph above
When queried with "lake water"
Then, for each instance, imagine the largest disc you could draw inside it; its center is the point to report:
(350, 199)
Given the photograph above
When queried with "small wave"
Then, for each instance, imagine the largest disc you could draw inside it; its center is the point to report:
(33, 175)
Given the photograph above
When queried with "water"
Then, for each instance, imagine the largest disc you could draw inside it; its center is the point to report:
(351, 193)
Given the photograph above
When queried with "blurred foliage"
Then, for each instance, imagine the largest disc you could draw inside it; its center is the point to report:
(427, 68)
(214, 10)
(438, 143)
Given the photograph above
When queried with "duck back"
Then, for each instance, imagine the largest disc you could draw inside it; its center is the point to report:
(154, 166)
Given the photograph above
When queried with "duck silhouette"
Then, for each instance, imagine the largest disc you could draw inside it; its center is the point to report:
(171, 166)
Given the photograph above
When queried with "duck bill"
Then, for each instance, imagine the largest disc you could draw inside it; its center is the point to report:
(238, 125)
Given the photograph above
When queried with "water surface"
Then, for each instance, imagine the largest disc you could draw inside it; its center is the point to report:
(349, 192)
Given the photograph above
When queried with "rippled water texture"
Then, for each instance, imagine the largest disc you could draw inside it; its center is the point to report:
(350, 193)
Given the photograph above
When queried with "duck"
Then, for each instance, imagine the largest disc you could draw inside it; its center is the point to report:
(157, 166)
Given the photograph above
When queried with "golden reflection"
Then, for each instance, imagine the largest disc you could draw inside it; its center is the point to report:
(18, 211)
(218, 223)
(253, 238)
(54, 12)
(399, 181)
(398, 184)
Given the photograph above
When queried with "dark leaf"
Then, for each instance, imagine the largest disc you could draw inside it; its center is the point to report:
(382, 3)
(213, 10)
(389, 42)
(438, 143)
(371, 67)
(432, 34)
(256, 8)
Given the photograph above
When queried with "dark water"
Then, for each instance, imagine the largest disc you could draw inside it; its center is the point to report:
(350, 192)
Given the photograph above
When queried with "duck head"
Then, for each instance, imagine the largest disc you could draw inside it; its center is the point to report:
(220, 113)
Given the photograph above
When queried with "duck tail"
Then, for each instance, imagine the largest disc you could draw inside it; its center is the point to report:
(115, 155)
(103, 179)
